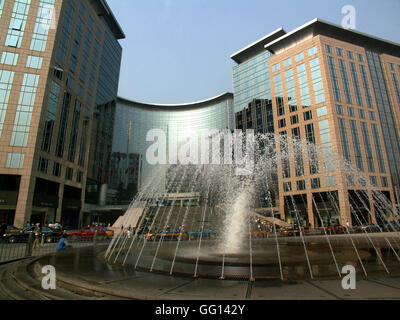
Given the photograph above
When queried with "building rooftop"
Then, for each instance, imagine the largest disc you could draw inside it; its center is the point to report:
(102, 9)
(319, 26)
(257, 46)
(178, 106)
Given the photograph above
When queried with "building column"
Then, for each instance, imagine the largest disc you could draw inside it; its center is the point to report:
(344, 208)
(372, 214)
(310, 210)
(60, 200)
(23, 209)
(282, 206)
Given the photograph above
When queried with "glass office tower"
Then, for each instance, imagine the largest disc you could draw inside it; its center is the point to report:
(59, 69)
(336, 88)
(133, 120)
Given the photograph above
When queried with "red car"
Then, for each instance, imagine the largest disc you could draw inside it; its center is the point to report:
(337, 228)
(87, 233)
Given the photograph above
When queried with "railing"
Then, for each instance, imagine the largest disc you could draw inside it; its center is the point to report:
(30, 248)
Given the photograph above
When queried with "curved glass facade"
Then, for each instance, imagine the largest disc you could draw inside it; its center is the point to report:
(177, 121)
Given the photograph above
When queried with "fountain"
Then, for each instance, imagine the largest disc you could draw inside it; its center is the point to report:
(239, 235)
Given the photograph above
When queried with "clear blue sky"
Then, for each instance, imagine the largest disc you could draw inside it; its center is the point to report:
(178, 50)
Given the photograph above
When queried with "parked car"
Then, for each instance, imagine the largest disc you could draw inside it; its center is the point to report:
(337, 228)
(293, 231)
(86, 233)
(12, 229)
(169, 235)
(206, 234)
(50, 235)
(109, 233)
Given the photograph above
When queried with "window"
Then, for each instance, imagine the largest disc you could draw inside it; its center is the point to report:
(373, 181)
(372, 115)
(303, 85)
(361, 113)
(34, 62)
(317, 81)
(52, 105)
(69, 172)
(22, 120)
(356, 145)
(43, 164)
(17, 24)
(345, 81)
(315, 183)
(299, 56)
(350, 55)
(331, 181)
(307, 115)
(391, 66)
(6, 80)
(42, 25)
(339, 109)
(367, 147)
(9, 58)
(294, 119)
(301, 185)
(344, 138)
(312, 51)
(287, 62)
(287, 186)
(334, 78)
(378, 148)
(328, 48)
(350, 111)
(281, 123)
(79, 176)
(384, 182)
(275, 67)
(356, 83)
(15, 160)
(58, 72)
(339, 52)
(322, 111)
(360, 57)
(56, 169)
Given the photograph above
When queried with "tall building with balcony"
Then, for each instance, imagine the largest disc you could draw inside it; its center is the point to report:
(336, 88)
(59, 71)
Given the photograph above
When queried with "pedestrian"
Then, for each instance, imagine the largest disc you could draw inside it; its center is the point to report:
(28, 225)
(38, 234)
(62, 244)
(129, 232)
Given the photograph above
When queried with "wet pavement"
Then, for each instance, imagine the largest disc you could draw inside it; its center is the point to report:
(85, 268)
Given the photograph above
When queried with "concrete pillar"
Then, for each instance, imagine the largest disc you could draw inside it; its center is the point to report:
(103, 194)
(23, 209)
(310, 210)
(344, 207)
(60, 201)
(282, 207)
(371, 216)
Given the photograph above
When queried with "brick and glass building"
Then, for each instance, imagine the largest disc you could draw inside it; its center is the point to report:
(336, 88)
(59, 72)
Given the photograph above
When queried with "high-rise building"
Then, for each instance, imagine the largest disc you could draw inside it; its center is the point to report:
(59, 71)
(337, 88)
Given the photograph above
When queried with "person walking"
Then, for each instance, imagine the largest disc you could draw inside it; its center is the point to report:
(129, 232)
(38, 235)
